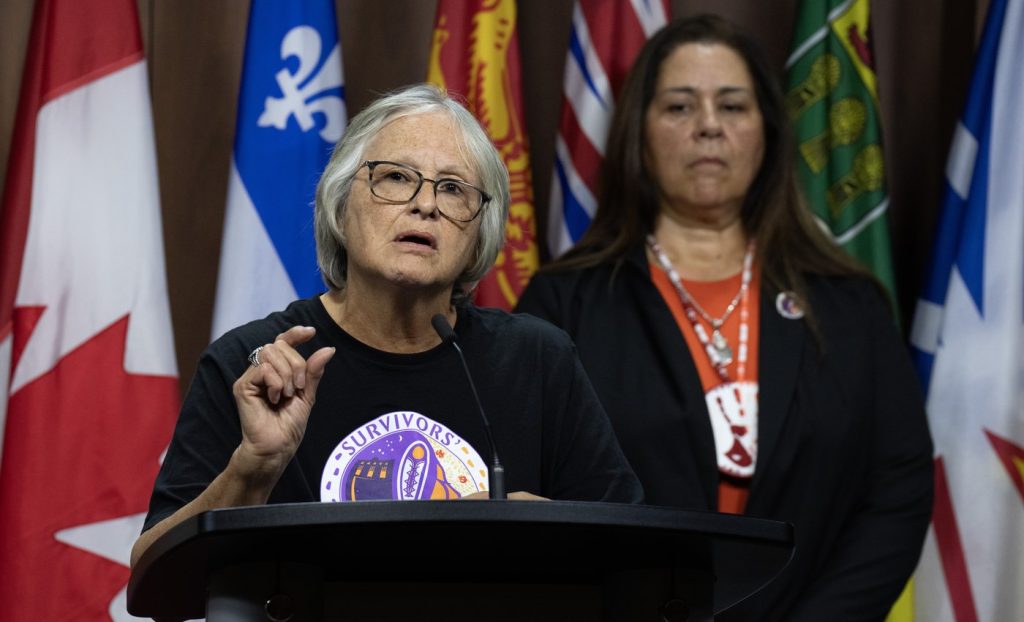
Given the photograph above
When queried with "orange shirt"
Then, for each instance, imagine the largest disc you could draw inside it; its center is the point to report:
(714, 297)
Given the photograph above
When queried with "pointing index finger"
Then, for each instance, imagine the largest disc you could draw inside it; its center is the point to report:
(297, 334)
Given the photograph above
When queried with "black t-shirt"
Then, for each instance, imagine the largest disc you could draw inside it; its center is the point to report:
(406, 426)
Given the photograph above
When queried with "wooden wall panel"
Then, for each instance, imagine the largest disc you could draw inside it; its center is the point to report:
(195, 67)
(384, 45)
(923, 59)
(15, 22)
(923, 54)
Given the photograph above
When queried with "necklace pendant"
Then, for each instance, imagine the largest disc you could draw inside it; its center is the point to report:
(722, 350)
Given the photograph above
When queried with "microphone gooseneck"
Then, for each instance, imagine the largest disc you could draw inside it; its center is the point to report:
(443, 328)
(496, 472)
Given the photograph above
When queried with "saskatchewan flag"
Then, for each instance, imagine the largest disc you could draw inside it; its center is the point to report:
(832, 97)
(833, 101)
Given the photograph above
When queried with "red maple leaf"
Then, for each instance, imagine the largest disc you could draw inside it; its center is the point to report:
(82, 445)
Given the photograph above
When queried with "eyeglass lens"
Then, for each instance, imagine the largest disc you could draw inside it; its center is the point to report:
(397, 183)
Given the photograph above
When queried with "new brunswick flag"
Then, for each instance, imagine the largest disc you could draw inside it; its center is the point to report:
(833, 101)
(475, 56)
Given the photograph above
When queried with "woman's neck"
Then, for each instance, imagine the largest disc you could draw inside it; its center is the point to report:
(389, 319)
(702, 251)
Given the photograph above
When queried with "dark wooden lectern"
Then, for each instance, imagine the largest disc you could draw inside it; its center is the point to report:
(456, 560)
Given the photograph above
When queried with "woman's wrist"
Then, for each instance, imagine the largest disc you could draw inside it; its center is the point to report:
(255, 475)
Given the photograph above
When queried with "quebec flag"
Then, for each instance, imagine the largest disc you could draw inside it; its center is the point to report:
(969, 338)
(291, 111)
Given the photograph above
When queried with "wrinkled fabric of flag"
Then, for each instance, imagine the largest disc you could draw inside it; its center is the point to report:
(604, 40)
(291, 112)
(88, 380)
(968, 336)
(475, 57)
(832, 97)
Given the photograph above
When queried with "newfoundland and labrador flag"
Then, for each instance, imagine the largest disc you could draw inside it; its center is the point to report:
(291, 111)
(88, 382)
(475, 56)
(968, 335)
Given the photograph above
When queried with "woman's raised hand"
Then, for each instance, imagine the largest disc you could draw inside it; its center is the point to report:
(274, 398)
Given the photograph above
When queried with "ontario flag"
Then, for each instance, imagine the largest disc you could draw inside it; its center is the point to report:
(475, 57)
(604, 41)
(968, 334)
(88, 383)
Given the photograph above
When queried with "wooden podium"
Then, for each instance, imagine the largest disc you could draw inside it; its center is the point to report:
(378, 561)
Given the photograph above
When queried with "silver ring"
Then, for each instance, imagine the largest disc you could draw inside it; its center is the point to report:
(254, 357)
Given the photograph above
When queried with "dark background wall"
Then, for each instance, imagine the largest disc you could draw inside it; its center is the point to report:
(923, 55)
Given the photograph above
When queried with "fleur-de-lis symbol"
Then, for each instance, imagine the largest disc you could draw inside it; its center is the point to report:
(302, 99)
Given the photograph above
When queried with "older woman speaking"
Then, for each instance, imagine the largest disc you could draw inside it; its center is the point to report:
(352, 395)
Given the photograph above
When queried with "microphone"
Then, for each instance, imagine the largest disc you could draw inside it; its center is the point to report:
(496, 472)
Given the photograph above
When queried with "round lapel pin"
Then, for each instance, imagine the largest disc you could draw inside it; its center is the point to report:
(788, 306)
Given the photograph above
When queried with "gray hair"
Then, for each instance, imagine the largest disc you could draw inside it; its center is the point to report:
(336, 182)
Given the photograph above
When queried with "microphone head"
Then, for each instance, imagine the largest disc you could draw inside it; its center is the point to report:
(443, 328)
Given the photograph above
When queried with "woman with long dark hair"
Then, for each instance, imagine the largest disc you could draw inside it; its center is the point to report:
(747, 364)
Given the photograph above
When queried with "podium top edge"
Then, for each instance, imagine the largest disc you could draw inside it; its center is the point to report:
(492, 511)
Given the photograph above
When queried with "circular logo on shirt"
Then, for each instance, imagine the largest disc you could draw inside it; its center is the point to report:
(402, 456)
(733, 410)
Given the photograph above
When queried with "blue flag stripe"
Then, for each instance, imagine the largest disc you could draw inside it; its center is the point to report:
(961, 230)
(280, 163)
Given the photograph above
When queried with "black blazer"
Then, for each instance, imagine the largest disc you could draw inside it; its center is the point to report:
(844, 451)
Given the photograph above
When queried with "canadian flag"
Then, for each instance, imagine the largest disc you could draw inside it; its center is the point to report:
(88, 384)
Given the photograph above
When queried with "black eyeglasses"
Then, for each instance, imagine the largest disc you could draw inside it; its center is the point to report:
(398, 183)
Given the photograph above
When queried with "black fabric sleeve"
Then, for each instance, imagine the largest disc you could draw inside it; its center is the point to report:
(205, 436)
(881, 542)
(587, 462)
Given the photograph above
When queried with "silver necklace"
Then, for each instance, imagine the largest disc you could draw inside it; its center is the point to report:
(717, 346)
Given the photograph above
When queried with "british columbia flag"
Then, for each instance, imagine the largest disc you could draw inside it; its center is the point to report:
(605, 38)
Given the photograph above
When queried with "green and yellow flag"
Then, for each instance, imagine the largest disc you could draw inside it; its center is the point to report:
(832, 98)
